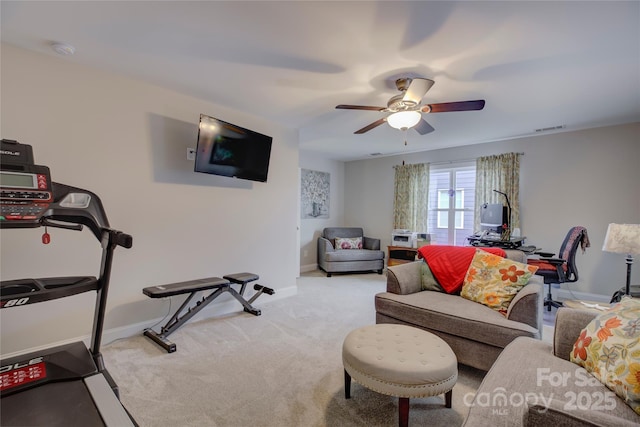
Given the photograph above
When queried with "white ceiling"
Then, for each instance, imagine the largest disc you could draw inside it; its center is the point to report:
(537, 64)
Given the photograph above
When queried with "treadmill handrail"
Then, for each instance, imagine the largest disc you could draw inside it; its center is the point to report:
(21, 292)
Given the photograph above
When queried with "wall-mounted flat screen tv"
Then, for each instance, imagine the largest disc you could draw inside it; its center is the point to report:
(229, 150)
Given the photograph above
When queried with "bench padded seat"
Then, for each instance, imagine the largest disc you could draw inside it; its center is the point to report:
(162, 291)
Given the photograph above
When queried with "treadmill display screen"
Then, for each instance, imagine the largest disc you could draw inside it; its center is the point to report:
(20, 180)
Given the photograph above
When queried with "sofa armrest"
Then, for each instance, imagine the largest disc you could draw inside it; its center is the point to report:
(569, 323)
(324, 246)
(516, 255)
(526, 307)
(554, 413)
(371, 243)
(404, 279)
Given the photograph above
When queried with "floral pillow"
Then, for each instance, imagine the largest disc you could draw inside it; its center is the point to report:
(348, 242)
(609, 348)
(493, 280)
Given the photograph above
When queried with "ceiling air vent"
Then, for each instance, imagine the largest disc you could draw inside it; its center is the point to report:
(551, 128)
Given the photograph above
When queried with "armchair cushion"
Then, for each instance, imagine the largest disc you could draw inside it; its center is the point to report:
(353, 255)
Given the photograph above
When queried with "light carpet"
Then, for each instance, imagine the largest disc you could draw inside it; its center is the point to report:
(283, 368)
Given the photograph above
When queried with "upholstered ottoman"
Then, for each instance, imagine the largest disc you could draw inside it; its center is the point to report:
(399, 360)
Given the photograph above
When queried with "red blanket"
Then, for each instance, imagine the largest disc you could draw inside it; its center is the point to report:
(449, 264)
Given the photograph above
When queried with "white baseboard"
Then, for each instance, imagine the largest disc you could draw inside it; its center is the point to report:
(307, 268)
(565, 294)
(113, 334)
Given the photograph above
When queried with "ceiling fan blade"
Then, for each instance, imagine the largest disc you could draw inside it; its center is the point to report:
(416, 90)
(423, 127)
(446, 107)
(368, 127)
(359, 107)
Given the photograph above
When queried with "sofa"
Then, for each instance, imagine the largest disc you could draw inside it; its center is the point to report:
(476, 333)
(364, 257)
(533, 383)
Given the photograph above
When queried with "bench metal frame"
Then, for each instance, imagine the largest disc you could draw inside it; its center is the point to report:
(220, 285)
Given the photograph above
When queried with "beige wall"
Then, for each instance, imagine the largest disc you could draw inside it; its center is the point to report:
(587, 177)
(126, 141)
(311, 229)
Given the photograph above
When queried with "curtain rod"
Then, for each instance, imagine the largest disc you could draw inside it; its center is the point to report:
(455, 161)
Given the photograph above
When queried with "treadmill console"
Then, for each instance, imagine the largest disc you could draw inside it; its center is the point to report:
(26, 189)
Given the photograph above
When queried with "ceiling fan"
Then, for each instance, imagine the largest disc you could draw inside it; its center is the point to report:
(406, 110)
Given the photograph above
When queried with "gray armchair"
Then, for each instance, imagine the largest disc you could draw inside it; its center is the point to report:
(332, 260)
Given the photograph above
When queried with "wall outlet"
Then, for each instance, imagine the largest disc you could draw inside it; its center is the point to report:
(191, 153)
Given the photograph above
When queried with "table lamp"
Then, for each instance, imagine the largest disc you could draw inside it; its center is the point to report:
(623, 239)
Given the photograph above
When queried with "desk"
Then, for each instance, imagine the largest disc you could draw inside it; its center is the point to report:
(512, 243)
(400, 255)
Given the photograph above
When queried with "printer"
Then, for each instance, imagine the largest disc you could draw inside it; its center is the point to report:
(408, 239)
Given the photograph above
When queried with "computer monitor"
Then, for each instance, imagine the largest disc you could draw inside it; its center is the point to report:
(492, 217)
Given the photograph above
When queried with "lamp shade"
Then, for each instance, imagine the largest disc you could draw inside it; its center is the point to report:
(404, 119)
(622, 238)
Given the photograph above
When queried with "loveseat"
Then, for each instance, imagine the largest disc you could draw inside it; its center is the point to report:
(366, 256)
(533, 383)
(476, 333)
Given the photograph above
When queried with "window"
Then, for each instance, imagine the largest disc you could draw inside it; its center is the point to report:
(443, 207)
(451, 203)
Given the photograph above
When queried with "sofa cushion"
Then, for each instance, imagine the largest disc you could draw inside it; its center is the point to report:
(449, 264)
(348, 243)
(453, 315)
(494, 281)
(354, 255)
(427, 281)
(609, 348)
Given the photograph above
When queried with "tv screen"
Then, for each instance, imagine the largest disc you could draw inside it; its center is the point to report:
(492, 216)
(229, 150)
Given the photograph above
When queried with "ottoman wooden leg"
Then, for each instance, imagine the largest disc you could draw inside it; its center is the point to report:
(448, 397)
(403, 411)
(347, 385)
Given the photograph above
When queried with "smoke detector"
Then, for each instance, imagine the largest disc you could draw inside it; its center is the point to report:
(63, 48)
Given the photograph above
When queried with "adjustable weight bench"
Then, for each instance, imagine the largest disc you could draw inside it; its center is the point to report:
(193, 287)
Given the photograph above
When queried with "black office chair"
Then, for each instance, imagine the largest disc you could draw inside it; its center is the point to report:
(562, 269)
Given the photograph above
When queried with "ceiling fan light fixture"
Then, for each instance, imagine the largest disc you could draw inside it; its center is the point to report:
(404, 119)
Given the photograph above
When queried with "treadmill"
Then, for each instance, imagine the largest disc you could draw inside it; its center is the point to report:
(66, 385)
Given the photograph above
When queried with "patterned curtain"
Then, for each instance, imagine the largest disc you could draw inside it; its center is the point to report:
(411, 194)
(502, 173)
